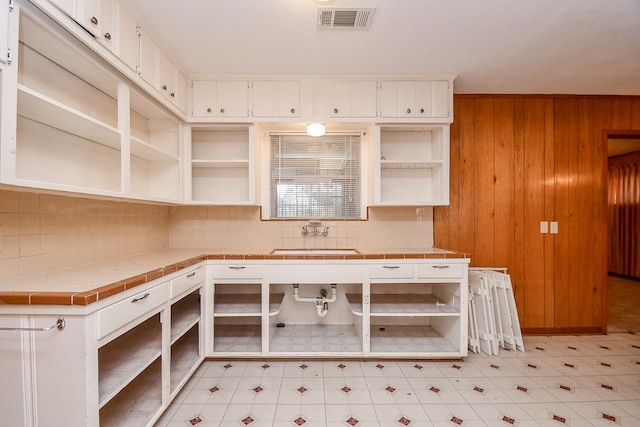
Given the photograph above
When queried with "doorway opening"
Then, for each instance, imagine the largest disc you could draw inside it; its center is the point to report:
(623, 217)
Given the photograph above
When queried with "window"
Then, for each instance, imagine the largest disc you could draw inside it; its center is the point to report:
(315, 177)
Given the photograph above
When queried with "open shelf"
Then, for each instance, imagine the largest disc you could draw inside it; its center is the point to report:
(184, 315)
(237, 338)
(124, 358)
(42, 109)
(139, 403)
(389, 336)
(411, 165)
(222, 170)
(185, 357)
(316, 339)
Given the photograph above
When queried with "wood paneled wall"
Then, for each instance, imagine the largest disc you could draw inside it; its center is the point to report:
(519, 160)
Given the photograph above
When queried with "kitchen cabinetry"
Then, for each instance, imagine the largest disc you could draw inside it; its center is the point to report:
(220, 98)
(416, 99)
(237, 309)
(276, 99)
(106, 37)
(89, 132)
(222, 164)
(87, 13)
(352, 98)
(118, 363)
(377, 308)
(147, 58)
(127, 38)
(171, 83)
(411, 165)
(5, 8)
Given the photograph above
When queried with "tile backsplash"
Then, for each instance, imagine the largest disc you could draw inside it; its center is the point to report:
(42, 232)
(230, 228)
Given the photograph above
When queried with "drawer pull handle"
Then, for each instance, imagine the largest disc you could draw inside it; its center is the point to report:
(140, 298)
(242, 267)
(391, 267)
(440, 266)
(191, 274)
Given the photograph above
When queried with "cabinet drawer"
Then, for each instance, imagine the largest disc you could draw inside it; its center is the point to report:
(119, 314)
(440, 271)
(186, 281)
(237, 271)
(391, 271)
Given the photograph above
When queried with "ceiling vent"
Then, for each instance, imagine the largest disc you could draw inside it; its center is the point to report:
(352, 18)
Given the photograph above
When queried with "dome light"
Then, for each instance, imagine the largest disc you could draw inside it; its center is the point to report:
(315, 129)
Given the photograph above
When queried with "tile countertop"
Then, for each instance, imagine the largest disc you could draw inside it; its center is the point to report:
(93, 282)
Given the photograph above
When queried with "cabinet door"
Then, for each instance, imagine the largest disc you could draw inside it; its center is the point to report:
(220, 98)
(232, 98)
(203, 98)
(4, 32)
(352, 98)
(89, 16)
(127, 39)
(276, 98)
(148, 65)
(415, 99)
(67, 6)
(171, 82)
(107, 25)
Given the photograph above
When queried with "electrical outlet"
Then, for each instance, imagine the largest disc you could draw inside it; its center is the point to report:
(554, 227)
(544, 227)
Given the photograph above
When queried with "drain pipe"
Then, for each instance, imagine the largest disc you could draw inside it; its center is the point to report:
(321, 302)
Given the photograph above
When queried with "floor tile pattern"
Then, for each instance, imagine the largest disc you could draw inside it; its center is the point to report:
(576, 381)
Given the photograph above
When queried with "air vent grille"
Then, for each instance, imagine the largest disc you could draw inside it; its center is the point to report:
(345, 18)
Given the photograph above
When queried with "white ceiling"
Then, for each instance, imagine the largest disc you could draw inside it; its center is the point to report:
(493, 46)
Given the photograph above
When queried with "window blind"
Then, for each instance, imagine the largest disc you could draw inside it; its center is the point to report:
(315, 177)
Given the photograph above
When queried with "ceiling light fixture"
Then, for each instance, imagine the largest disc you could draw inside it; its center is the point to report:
(315, 129)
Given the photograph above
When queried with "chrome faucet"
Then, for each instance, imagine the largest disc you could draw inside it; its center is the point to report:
(315, 229)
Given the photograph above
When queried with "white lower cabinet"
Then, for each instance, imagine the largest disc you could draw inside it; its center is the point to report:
(380, 308)
(120, 364)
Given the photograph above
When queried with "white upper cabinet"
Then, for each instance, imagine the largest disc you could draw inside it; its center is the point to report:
(276, 98)
(4, 31)
(172, 84)
(87, 13)
(352, 98)
(428, 99)
(411, 165)
(108, 25)
(220, 98)
(127, 37)
(148, 58)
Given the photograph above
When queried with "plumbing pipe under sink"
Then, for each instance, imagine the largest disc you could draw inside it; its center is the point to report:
(321, 301)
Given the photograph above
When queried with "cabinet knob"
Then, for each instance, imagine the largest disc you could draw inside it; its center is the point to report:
(209, 110)
(164, 87)
(293, 110)
(222, 110)
(173, 95)
(422, 111)
(94, 20)
(107, 36)
(408, 110)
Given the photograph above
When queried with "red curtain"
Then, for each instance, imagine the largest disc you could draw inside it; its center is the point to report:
(624, 217)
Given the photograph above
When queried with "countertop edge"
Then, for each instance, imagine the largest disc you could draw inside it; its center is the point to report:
(99, 293)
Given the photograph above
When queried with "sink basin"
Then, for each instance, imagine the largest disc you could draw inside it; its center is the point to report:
(315, 252)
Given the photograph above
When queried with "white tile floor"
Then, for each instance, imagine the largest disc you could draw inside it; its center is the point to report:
(572, 381)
